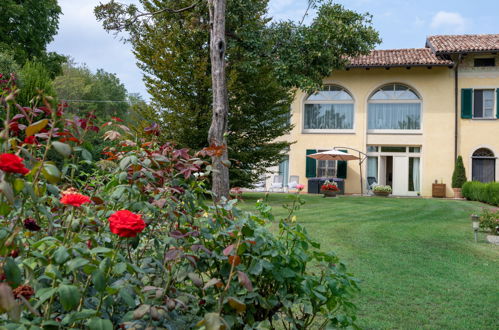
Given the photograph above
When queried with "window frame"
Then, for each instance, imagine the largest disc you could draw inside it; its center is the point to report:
(395, 101)
(494, 104)
(334, 167)
(329, 131)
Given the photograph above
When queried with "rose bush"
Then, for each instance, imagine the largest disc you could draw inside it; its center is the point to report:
(132, 240)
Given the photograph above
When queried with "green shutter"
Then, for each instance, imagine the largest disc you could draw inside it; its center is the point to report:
(311, 169)
(342, 168)
(466, 103)
(497, 103)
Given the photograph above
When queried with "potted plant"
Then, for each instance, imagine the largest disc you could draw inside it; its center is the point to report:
(458, 177)
(329, 189)
(382, 190)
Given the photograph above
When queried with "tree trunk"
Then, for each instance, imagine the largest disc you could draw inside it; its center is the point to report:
(218, 128)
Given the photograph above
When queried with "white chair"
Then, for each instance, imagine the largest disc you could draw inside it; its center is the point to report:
(261, 185)
(293, 182)
(276, 183)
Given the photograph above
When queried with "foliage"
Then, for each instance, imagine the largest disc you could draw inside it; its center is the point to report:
(330, 186)
(265, 62)
(85, 92)
(404, 250)
(27, 27)
(482, 192)
(34, 79)
(7, 64)
(383, 189)
(131, 242)
(489, 220)
(459, 175)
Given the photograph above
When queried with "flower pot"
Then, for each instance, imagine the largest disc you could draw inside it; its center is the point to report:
(329, 193)
(381, 193)
(457, 193)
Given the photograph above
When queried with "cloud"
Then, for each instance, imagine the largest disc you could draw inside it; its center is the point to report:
(449, 22)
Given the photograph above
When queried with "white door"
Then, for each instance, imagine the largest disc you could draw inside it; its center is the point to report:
(400, 176)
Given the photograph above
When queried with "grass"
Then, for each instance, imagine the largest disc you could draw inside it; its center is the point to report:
(419, 265)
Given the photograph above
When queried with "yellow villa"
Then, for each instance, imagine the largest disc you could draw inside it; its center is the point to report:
(410, 112)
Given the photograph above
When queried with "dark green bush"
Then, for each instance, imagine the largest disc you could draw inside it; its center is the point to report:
(482, 192)
(459, 175)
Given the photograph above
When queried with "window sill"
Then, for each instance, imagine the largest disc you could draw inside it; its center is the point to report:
(395, 132)
(328, 131)
(486, 119)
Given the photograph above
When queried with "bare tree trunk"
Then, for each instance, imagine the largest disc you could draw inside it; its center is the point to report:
(218, 128)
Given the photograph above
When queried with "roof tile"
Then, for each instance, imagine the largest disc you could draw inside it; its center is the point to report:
(466, 43)
(398, 57)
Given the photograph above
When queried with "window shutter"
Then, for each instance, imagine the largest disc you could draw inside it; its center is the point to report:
(466, 103)
(497, 103)
(342, 168)
(311, 165)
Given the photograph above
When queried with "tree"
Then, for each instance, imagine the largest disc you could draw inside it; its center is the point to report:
(34, 79)
(7, 64)
(459, 175)
(101, 93)
(291, 54)
(27, 27)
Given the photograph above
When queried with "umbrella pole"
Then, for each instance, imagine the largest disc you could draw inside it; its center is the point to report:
(360, 168)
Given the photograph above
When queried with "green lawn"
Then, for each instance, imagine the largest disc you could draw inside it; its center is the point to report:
(417, 259)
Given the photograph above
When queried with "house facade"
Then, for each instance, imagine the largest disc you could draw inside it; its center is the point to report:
(410, 112)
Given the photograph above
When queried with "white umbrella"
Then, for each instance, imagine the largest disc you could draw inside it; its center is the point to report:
(333, 155)
(340, 155)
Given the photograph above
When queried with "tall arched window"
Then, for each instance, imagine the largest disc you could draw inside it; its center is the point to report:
(329, 109)
(394, 107)
(483, 166)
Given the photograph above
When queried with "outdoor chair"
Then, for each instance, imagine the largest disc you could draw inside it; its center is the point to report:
(261, 185)
(276, 183)
(293, 182)
(371, 180)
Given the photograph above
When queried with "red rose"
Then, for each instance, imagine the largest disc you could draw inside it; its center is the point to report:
(30, 140)
(11, 163)
(74, 199)
(126, 224)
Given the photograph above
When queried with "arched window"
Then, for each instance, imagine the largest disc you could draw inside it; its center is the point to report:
(329, 109)
(394, 107)
(483, 166)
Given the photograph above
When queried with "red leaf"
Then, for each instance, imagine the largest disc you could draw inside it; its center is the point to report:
(228, 250)
(244, 280)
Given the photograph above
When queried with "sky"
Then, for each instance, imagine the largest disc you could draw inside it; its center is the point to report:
(401, 24)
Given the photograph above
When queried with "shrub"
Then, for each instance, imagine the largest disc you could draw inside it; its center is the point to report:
(384, 189)
(489, 220)
(459, 175)
(131, 241)
(34, 77)
(482, 192)
(7, 65)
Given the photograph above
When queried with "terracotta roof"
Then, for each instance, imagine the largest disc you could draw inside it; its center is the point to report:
(466, 43)
(398, 57)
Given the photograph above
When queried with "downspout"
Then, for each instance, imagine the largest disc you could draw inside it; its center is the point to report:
(456, 104)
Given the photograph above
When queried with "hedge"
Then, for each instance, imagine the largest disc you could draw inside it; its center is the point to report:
(482, 192)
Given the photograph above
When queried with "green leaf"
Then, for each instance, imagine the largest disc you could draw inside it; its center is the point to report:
(18, 185)
(127, 297)
(86, 154)
(62, 148)
(76, 263)
(36, 127)
(99, 280)
(5, 209)
(6, 189)
(44, 294)
(12, 272)
(51, 173)
(100, 250)
(99, 324)
(69, 296)
(61, 255)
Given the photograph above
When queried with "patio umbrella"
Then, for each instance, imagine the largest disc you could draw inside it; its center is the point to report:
(333, 155)
(340, 155)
